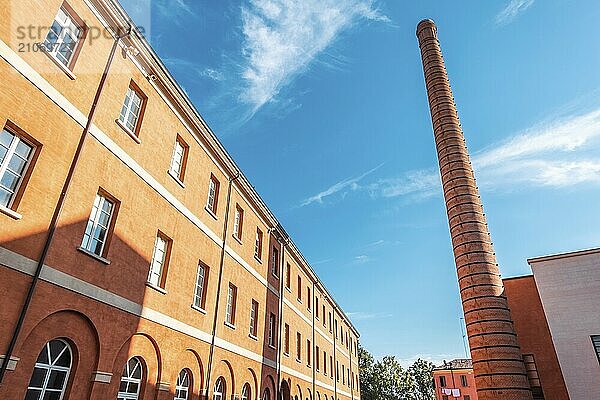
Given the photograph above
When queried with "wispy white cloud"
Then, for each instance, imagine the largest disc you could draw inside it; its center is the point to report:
(362, 315)
(174, 8)
(283, 37)
(512, 10)
(343, 185)
(189, 67)
(560, 153)
(361, 259)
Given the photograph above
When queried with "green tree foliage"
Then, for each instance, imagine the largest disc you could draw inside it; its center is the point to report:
(387, 380)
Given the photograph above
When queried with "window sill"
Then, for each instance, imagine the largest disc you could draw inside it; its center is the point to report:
(126, 129)
(211, 213)
(199, 309)
(94, 255)
(237, 239)
(179, 182)
(288, 289)
(272, 347)
(299, 361)
(275, 275)
(11, 213)
(227, 324)
(251, 336)
(157, 288)
(62, 66)
(257, 259)
(286, 354)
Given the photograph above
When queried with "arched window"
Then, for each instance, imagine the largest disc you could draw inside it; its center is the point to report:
(219, 393)
(182, 387)
(266, 394)
(51, 372)
(246, 392)
(131, 380)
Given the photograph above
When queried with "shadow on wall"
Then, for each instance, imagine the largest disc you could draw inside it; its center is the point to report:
(83, 334)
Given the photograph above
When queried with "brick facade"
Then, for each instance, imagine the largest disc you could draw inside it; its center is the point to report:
(101, 305)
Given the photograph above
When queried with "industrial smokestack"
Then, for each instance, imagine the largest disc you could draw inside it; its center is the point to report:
(497, 360)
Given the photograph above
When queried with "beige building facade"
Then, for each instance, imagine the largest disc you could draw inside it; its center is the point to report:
(569, 288)
(136, 260)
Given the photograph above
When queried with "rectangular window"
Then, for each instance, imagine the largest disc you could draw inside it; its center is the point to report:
(317, 307)
(442, 381)
(596, 343)
(133, 109)
(258, 244)
(286, 339)
(253, 318)
(308, 348)
(98, 228)
(200, 290)
(330, 330)
(288, 276)
(272, 330)
(299, 289)
(238, 222)
(331, 366)
(15, 156)
(213, 194)
(337, 371)
(324, 363)
(298, 346)
(317, 358)
(324, 323)
(463, 381)
(231, 300)
(336, 329)
(160, 261)
(179, 159)
(275, 262)
(65, 37)
(343, 375)
(308, 298)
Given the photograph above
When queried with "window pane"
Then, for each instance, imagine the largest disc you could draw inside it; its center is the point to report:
(23, 149)
(33, 394)
(38, 377)
(56, 380)
(9, 181)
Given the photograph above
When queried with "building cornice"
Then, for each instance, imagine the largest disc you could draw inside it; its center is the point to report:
(559, 256)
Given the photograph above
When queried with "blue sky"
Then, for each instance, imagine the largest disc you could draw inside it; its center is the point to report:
(323, 105)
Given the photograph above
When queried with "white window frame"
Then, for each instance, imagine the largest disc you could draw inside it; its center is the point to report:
(182, 386)
(8, 157)
(246, 392)
(178, 159)
(258, 244)
(94, 222)
(68, 27)
(200, 287)
(127, 110)
(213, 193)
(159, 260)
(271, 336)
(231, 300)
(275, 262)
(50, 367)
(253, 318)
(238, 222)
(220, 388)
(128, 378)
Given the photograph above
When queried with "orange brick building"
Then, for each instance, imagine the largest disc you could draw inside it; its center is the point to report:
(454, 380)
(136, 260)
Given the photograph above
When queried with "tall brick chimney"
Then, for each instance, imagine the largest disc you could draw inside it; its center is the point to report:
(497, 359)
